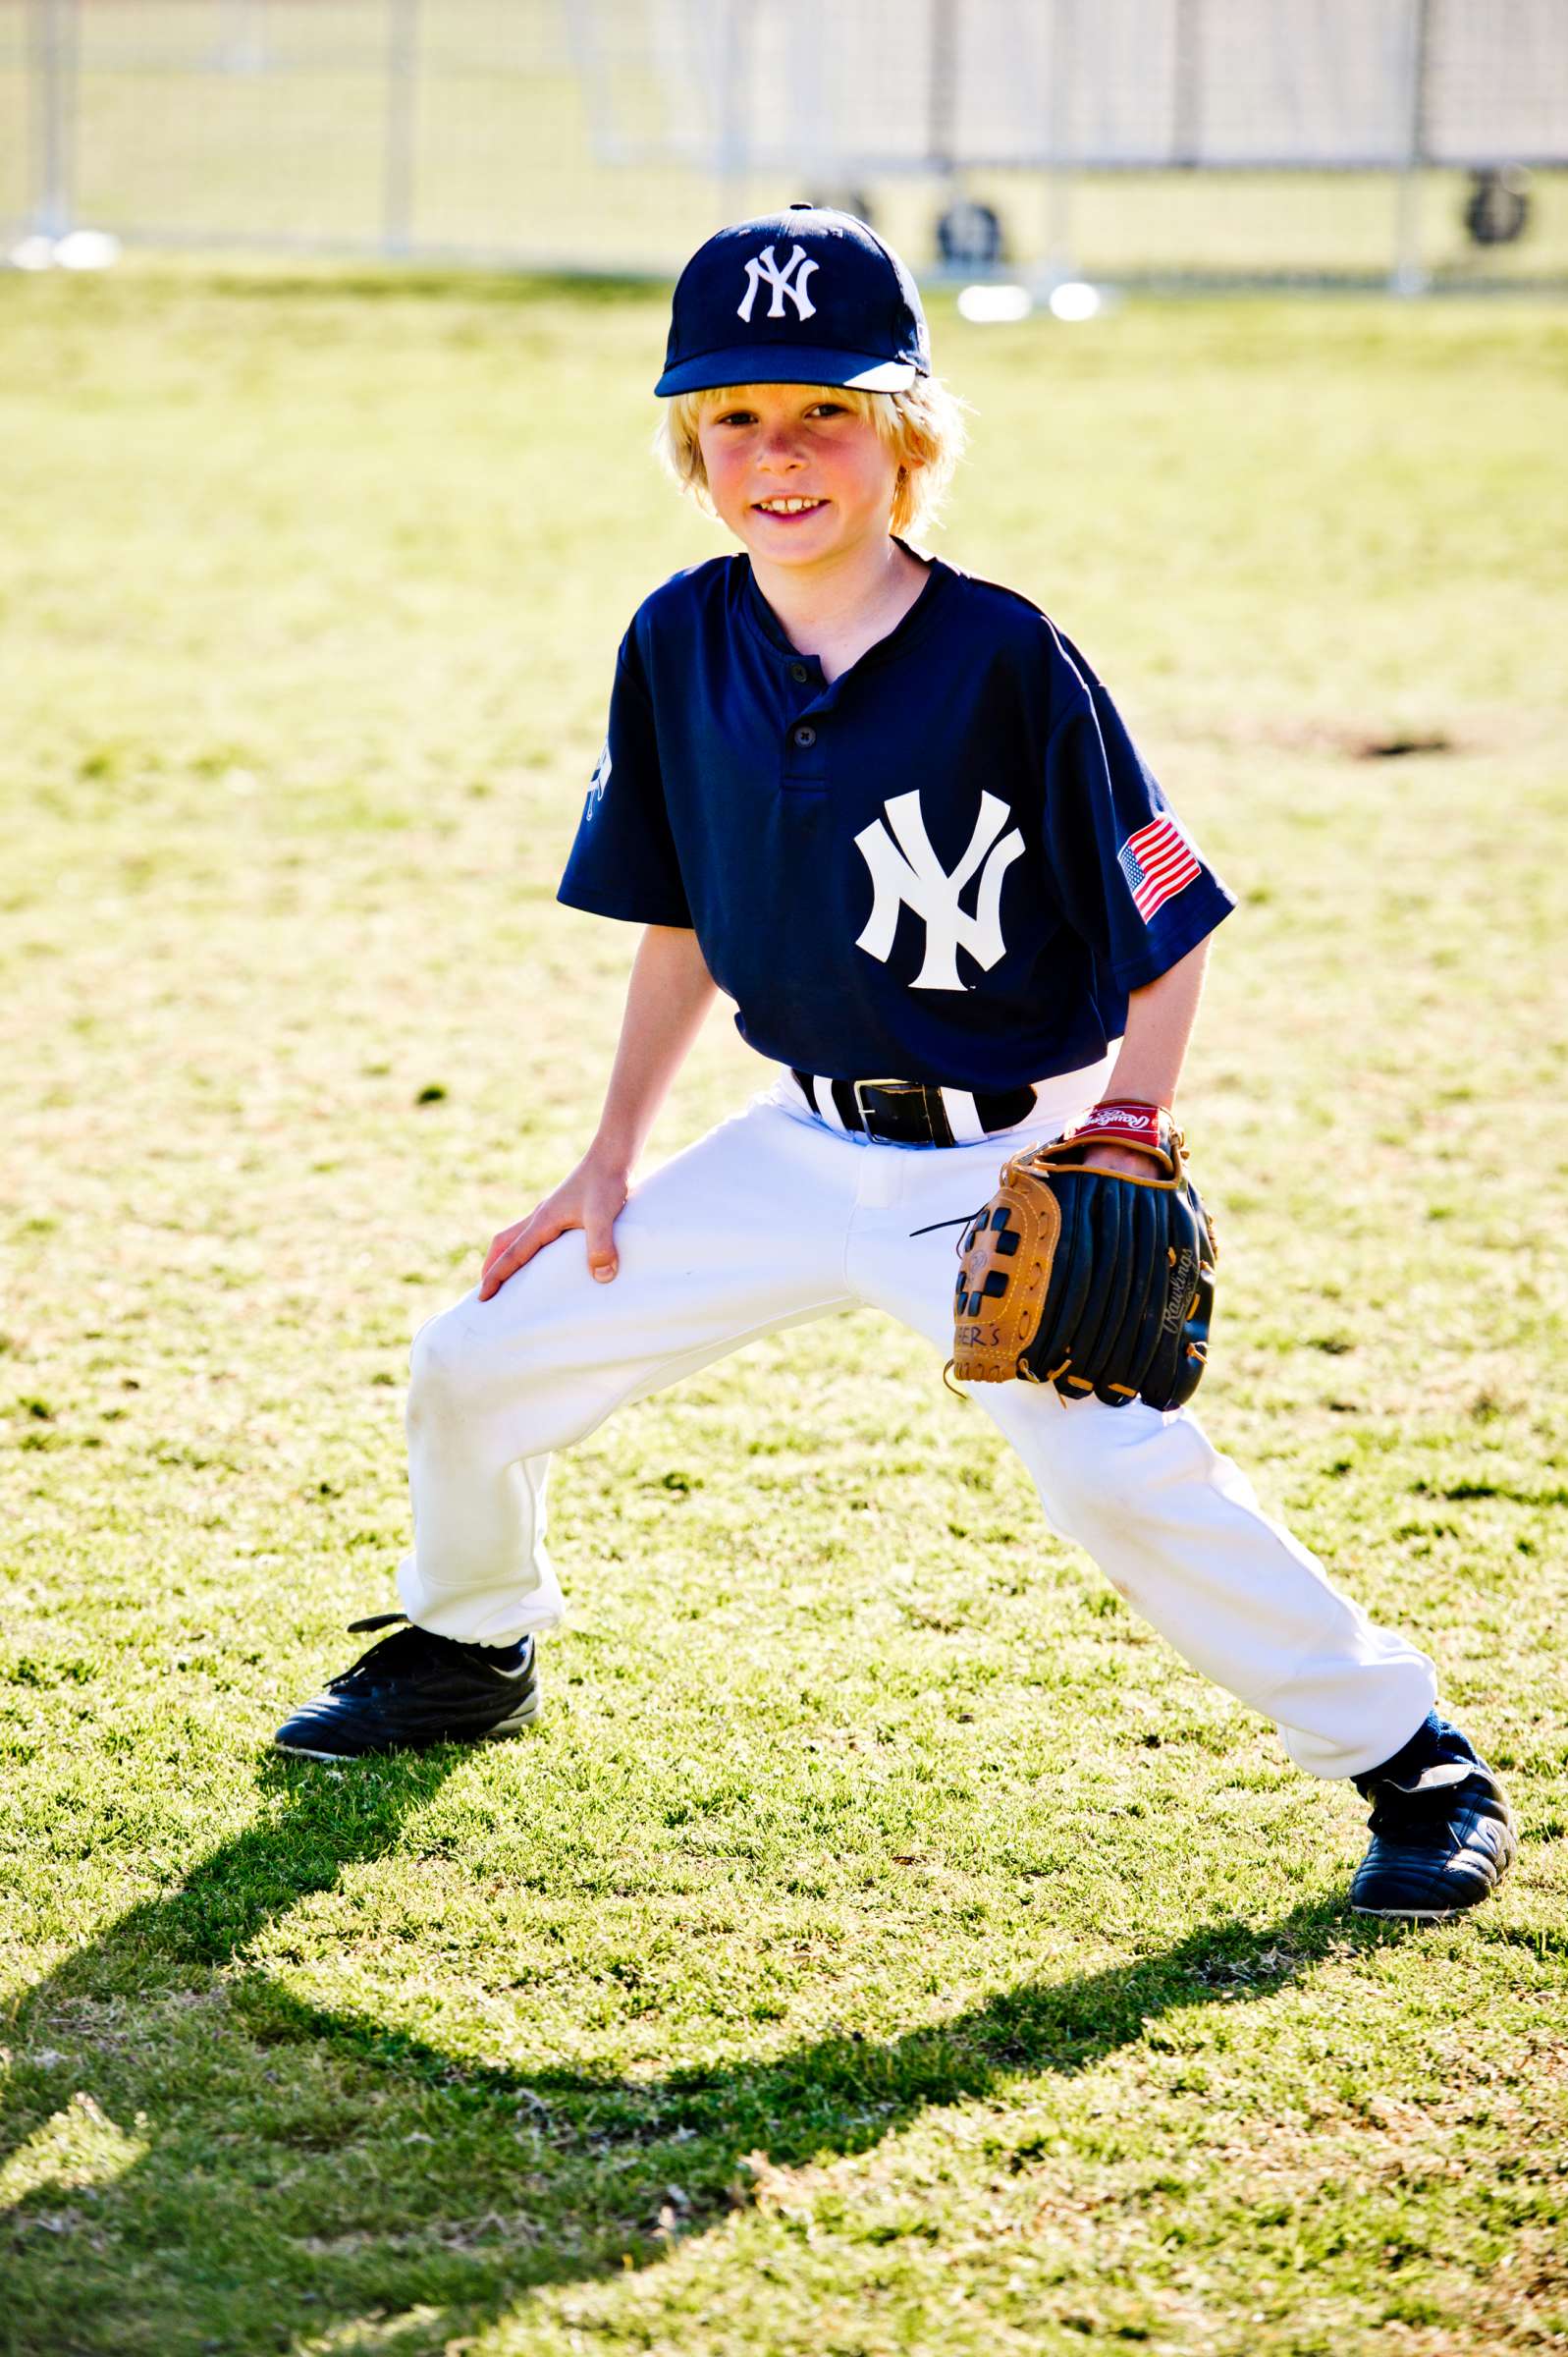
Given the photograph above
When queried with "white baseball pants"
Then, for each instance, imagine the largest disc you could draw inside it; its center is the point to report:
(776, 1218)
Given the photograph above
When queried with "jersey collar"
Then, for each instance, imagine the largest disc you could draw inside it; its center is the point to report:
(768, 628)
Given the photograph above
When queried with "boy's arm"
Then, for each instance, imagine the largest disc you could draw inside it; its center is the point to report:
(1160, 1021)
(669, 993)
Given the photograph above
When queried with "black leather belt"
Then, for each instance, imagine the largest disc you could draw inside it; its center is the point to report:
(906, 1112)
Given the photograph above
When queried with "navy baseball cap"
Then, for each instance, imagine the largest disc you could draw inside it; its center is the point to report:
(805, 296)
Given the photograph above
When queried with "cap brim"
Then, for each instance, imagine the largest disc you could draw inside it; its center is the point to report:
(788, 365)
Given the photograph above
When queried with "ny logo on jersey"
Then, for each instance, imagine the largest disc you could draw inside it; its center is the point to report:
(904, 870)
(791, 281)
(598, 782)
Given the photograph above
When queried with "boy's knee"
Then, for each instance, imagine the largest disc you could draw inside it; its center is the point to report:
(443, 1369)
(498, 1393)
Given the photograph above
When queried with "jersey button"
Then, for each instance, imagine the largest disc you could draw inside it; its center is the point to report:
(799, 670)
(804, 736)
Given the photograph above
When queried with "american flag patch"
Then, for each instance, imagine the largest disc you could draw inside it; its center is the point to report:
(1158, 862)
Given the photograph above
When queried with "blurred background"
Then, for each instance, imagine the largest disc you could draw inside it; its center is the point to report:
(1409, 143)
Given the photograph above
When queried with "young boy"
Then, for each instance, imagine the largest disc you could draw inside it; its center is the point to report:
(892, 813)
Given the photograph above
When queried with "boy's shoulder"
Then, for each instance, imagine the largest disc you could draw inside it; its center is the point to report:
(685, 596)
(1013, 621)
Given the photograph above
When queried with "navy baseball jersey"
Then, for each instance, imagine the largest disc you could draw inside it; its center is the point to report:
(949, 865)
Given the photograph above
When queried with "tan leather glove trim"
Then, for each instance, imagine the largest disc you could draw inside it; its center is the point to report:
(991, 1330)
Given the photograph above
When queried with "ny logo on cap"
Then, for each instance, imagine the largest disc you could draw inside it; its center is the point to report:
(907, 869)
(798, 269)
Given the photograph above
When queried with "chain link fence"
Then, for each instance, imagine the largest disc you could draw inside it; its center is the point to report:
(1418, 142)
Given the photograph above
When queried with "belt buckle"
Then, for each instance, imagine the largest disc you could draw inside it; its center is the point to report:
(906, 1086)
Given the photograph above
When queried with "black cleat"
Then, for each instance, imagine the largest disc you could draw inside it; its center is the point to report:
(415, 1689)
(1442, 1837)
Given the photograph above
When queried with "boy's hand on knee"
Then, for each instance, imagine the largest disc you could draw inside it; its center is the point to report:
(592, 1198)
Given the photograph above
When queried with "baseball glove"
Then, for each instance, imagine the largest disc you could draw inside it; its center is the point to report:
(1086, 1279)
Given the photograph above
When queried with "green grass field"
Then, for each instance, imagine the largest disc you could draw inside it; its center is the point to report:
(885, 1943)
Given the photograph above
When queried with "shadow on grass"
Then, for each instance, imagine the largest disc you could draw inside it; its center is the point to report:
(291, 2169)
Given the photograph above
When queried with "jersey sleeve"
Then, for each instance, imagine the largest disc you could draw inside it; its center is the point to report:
(624, 861)
(1130, 878)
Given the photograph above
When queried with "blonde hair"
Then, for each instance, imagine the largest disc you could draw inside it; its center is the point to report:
(923, 428)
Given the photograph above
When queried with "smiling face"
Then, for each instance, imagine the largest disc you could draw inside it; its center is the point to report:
(798, 472)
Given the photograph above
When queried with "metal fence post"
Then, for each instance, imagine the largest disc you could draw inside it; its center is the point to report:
(1058, 176)
(1186, 86)
(942, 87)
(242, 36)
(734, 106)
(1409, 275)
(402, 99)
(52, 41)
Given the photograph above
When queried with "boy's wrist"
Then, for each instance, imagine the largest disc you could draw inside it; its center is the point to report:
(1124, 1119)
(1155, 1100)
(613, 1153)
